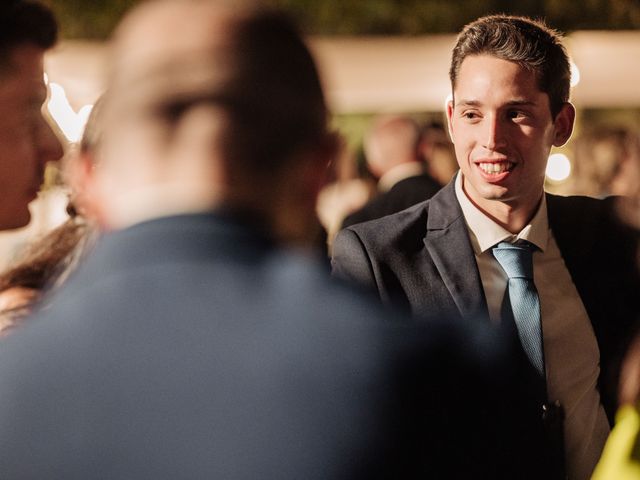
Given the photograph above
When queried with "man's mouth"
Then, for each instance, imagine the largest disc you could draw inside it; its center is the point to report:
(495, 168)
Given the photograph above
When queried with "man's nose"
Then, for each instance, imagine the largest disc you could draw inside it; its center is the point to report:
(493, 133)
(48, 144)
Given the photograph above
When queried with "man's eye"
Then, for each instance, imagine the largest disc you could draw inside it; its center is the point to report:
(470, 115)
(516, 114)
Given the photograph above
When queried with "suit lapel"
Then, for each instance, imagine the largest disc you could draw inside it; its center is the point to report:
(448, 245)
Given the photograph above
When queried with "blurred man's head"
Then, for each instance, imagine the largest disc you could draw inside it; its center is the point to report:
(209, 106)
(391, 141)
(26, 141)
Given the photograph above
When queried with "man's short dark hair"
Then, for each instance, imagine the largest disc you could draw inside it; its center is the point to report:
(25, 22)
(527, 42)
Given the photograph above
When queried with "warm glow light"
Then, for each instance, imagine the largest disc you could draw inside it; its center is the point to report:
(447, 100)
(71, 123)
(558, 167)
(83, 116)
(575, 74)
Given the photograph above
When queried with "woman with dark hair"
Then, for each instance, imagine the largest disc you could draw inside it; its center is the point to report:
(47, 262)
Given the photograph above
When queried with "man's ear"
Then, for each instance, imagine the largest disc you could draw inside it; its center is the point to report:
(563, 124)
(79, 174)
(449, 118)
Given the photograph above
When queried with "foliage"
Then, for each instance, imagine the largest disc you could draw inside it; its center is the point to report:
(96, 18)
(91, 19)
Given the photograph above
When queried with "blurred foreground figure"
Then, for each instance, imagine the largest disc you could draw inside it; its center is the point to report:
(191, 344)
(27, 142)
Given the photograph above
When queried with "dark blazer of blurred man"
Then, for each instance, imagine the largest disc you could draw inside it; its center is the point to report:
(200, 340)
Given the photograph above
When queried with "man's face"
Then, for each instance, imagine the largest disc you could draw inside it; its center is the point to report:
(26, 140)
(503, 131)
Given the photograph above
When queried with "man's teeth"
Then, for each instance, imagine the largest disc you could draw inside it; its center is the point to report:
(498, 167)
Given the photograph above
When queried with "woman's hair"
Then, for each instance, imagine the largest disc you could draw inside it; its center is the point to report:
(46, 262)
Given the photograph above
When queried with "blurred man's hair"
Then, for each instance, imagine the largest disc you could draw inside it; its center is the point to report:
(265, 80)
(25, 22)
(529, 43)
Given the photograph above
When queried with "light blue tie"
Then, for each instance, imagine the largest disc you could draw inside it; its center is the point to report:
(517, 262)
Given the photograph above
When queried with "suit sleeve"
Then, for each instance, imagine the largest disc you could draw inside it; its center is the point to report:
(350, 261)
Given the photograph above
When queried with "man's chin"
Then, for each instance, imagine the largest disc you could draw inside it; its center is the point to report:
(491, 193)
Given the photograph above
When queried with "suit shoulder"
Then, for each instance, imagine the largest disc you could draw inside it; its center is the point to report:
(394, 225)
(577, 201)
(582, 210)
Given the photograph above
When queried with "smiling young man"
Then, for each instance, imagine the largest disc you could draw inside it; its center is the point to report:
(27, 143)
(510, 78)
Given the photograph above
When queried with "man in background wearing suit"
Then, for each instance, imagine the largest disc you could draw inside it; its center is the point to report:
(27, 143)
(196, 342)
(510, 79)
(391, 150)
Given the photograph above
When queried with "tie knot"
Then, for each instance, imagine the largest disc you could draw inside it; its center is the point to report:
(515, 260)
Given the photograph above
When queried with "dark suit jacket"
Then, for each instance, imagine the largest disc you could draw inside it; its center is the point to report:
(192, 347)
(405, 193)
(422, 258)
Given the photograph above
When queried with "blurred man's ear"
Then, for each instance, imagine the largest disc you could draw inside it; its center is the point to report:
(321, 161)
(79, 173)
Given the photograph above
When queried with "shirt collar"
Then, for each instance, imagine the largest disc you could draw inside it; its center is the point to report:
(485, 233)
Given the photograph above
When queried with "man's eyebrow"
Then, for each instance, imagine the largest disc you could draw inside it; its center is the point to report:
(468, 103)
(521, 103)
(511, 103)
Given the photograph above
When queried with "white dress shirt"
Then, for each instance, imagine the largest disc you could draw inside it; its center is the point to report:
(571, 353)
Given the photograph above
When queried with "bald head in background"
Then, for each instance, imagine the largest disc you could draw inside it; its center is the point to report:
(391, 141)
(392, 151)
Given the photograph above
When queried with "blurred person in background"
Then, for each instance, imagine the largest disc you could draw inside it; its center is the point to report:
(621, 456)
(41, 268)
(199, 339)
(606, 160)
(27, 142)
(438, 153)
(392, 155)
(349, 186)
(559, 271)
(619, 150)
(45, 263)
